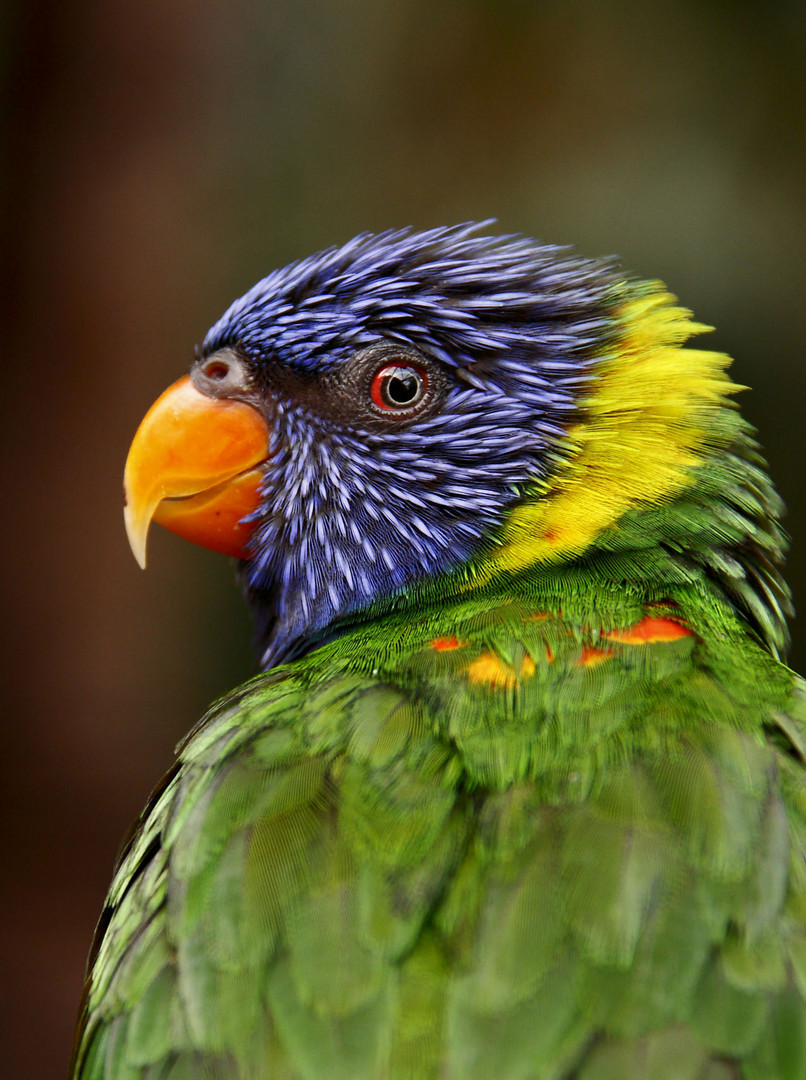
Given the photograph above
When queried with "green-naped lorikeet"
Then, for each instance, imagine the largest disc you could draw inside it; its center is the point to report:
(520, 794)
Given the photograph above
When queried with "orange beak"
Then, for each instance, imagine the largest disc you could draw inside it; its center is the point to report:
(194, 467)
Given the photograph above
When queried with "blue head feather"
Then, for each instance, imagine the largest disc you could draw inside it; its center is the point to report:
(351, 513)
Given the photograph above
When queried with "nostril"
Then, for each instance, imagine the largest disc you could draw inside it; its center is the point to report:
(216, 370)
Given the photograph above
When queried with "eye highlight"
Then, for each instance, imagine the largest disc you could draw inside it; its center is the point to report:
(399, 387)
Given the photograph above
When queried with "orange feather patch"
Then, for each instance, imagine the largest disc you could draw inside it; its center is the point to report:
(649, 631)
(591, 656)
(490, 670)
(446, 644)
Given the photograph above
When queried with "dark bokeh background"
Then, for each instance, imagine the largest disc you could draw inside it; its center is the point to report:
(159, 158)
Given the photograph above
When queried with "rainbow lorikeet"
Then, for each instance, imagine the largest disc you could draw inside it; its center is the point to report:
(520, 794)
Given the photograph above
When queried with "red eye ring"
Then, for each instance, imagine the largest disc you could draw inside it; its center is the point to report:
(399, 387)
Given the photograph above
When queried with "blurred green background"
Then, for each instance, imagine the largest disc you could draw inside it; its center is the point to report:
(161, 157)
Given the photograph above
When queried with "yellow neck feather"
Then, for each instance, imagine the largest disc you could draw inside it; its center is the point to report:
(647, 423)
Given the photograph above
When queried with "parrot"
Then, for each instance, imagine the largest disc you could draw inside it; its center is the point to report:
(519, 791)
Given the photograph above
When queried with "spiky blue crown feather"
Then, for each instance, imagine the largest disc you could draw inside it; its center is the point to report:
(351, 513)
(457, 295)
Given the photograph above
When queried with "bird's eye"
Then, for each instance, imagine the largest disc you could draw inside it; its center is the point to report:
(399, 387)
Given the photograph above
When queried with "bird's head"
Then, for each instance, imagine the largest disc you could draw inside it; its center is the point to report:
(413, 405)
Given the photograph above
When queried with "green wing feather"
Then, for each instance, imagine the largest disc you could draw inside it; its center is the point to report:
(493, 840)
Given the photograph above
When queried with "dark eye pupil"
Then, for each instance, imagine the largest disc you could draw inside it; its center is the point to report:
(399, 387)
(402, 389)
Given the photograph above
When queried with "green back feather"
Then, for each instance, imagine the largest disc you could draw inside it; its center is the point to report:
(528, 850)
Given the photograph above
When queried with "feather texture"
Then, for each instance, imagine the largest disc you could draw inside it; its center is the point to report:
(528, 799)
(375, 863)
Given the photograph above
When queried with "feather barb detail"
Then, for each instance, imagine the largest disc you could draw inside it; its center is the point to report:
(646, 425)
